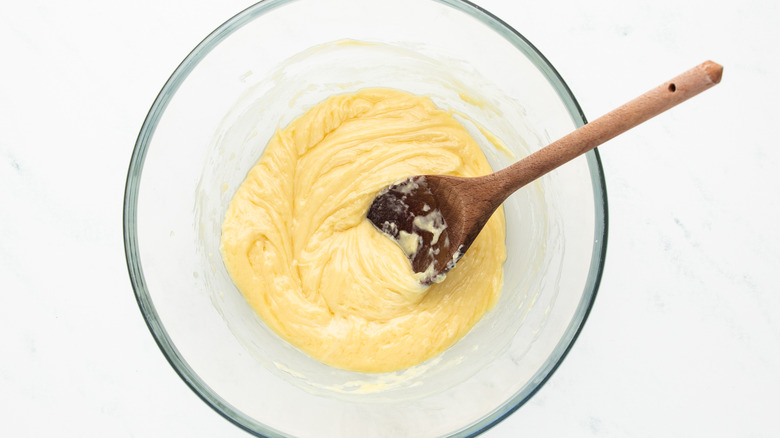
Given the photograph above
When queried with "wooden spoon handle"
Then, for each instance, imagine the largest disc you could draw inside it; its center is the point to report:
(633, 113)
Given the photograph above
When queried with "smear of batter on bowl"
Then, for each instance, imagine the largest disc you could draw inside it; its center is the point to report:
(298, 246)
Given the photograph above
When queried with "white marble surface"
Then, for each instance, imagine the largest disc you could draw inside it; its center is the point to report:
(684, 339)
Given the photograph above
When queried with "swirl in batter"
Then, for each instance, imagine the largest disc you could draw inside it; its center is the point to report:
(296, 242)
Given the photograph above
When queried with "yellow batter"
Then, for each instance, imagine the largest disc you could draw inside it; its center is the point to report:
(297, 244)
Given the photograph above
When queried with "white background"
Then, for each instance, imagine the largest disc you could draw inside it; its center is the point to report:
(684, 339)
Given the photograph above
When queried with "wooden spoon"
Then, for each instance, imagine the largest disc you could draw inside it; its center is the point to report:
(435, 218)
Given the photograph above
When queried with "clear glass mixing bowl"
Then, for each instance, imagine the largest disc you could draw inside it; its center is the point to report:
(209, 125)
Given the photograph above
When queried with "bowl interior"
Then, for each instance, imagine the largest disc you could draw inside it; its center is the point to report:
(210, 124)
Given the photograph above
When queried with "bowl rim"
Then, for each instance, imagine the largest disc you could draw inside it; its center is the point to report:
(133, 179)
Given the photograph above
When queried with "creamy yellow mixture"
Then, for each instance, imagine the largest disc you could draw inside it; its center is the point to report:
(297, 244)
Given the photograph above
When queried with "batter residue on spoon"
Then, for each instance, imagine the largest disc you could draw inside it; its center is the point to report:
(297, 244)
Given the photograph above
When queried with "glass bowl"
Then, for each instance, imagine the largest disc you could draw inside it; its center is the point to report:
(255, 74)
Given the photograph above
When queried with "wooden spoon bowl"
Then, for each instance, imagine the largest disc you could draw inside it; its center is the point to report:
(435, 218)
